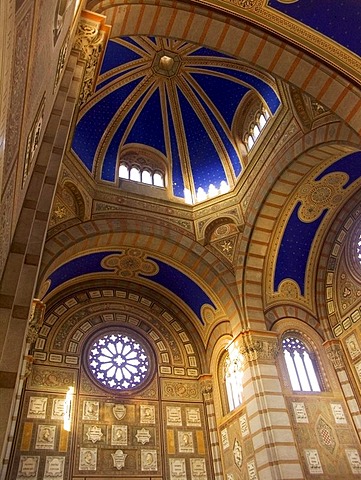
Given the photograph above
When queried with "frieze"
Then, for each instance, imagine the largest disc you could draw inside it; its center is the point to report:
(260, 350)
(173, 389)
(51, 379)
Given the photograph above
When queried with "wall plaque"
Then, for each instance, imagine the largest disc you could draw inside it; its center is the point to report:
(37, 407)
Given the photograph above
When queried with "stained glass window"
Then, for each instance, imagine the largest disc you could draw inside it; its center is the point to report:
(118, 361)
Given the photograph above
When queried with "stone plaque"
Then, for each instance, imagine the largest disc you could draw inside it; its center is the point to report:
(90, 410)
(147, 414)
(198, 469)
(94, 433)
(119, 435)
(88, 459)
(177, 467)
(353, 346)
(299, 410)
(338, 413)
(252, 472)
(313, 462)
(149, 460)
(119, 459)
(174, 416)
(45, 438)
(353, 458)
(193, 417)
(28, 467)
(57, 411)
(244, 425)
(37, 407)
(185, 442)
(225, 439)
(54, 468)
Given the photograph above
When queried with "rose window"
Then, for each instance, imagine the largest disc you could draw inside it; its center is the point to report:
(118, 361)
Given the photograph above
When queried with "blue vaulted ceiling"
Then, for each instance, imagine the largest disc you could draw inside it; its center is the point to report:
(183, 111)
(338, 20)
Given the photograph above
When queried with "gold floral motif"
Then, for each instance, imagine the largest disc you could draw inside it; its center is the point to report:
(130, 264)
(316, 196)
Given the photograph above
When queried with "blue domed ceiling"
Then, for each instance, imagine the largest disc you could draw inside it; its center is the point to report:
(174, 98)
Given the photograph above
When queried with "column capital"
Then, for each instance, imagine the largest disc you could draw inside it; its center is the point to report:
(206, 384)
(258, 345)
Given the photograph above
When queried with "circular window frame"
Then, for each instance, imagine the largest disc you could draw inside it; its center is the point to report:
(134, 335)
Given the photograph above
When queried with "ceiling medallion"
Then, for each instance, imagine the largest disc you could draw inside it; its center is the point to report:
(166, 63)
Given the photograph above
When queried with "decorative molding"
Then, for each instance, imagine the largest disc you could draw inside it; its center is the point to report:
(90, 41)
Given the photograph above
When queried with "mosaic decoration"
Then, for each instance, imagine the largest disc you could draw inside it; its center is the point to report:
(237, 454)
(325, 435)
(130, 264)
(316, 196)
(143, 436)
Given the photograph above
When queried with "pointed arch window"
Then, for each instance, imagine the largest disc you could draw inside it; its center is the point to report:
(301, 365)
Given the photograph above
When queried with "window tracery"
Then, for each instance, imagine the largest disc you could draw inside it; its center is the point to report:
(301, 365)
(118, 361)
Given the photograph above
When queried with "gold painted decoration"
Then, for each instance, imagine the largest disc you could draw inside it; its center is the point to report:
(317, 196)
(33, 140)
(130, 264)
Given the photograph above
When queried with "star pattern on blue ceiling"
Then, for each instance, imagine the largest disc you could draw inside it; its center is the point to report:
(175, 98)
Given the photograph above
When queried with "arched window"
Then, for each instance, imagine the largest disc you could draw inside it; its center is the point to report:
(233, 378)
(256, 132)
(158, 179)
(123, 171)
(301, 365)
(135, 174)
(146, 177)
